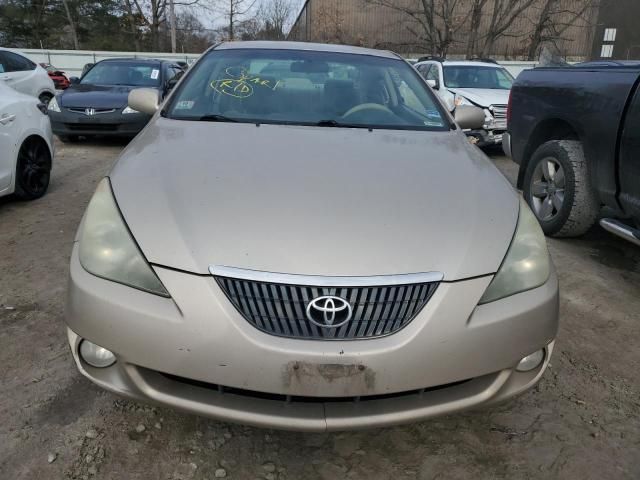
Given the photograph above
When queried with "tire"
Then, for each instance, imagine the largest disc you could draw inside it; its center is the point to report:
(33, 169)
(68, 138)
(557, 187)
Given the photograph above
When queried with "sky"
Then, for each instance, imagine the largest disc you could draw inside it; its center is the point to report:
(214, 17)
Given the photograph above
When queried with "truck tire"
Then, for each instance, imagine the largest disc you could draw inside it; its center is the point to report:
(557, 187)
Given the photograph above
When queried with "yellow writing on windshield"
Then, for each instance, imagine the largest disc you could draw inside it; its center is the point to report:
(239, 83)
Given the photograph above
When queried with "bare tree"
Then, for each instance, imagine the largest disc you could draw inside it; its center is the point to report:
(435, 23)
(191, 34)
(132, 24)
(274, 16)
(153, 15)
(503, 14)
(236, 12)
(477, 8)
(172, 23)
(554, 18)
(329, 23)
(72, 25)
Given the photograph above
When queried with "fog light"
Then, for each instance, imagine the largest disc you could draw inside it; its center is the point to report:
(530, 362)
(95, 355)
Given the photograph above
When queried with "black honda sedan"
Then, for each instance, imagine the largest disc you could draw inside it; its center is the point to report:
(96, 104)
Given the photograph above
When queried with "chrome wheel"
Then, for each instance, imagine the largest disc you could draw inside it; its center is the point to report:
(547, 189)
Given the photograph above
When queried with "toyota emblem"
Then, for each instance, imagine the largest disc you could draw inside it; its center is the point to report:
(329, 311)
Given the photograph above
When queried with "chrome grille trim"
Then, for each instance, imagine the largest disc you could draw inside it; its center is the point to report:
(325, 281)
(499, 113)
(279, 308)
(97, 111)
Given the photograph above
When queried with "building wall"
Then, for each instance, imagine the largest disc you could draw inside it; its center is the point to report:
(359, 22)
(623, 16)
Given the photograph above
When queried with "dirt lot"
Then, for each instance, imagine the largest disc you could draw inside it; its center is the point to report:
(581, 422)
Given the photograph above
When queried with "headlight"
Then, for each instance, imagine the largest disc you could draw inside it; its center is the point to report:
(459, 100)
(53, 105)
(526, 264)
(108, 250)
(129, 110)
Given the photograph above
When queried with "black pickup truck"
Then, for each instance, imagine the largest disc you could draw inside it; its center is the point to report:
(575, 132)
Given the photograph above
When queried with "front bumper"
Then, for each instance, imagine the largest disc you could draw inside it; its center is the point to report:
(195, 352)
(506, 144)
(486, 138)
(67, 123)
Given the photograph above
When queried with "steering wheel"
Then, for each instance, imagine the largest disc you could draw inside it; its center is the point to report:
(367, 106)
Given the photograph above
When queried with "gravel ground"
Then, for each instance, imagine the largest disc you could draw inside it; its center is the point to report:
(581, 422)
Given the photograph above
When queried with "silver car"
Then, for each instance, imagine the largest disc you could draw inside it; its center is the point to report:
(302, 238)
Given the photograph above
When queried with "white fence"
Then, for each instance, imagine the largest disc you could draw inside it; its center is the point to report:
(72, 61)
(515, 67)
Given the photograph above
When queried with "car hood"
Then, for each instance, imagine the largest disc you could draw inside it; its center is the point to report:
(313, 200)
(96, 96)
(483, 97)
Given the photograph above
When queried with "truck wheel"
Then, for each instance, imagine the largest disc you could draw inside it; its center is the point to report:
(558, 190)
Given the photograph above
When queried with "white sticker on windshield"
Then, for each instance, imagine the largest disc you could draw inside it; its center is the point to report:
(154, 74)
(185, 105)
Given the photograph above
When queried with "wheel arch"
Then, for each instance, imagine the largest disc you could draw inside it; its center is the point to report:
(550, 129)
(47, 93)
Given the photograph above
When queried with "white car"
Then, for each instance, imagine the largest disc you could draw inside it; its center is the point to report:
(25, 76)
(26, 145)
(482, 84)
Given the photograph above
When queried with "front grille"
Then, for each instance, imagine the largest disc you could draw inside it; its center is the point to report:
(305, 399)
(281, 309)
(83, 127)
(500, 116)
(96, 111)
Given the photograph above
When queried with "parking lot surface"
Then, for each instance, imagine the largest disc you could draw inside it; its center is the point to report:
(582, 421)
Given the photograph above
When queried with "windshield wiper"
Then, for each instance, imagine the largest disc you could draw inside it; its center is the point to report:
(214, 117)
(335, 123)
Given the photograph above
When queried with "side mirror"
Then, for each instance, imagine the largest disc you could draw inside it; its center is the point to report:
(145, 100)
(434, 84)
(74, 80)
(468, 116)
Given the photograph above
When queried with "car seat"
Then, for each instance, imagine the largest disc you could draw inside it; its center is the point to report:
(340, 96)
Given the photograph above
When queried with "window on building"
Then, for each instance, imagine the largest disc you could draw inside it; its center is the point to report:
(607, 51)
(610, 34)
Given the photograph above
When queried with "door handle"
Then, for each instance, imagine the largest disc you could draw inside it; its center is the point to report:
(7, 119)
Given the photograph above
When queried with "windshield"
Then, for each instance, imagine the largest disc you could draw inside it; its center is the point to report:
(306, 88)
(123, 73)
(471, 76)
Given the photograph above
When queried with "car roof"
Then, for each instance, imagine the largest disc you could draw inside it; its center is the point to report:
(609, 63)
(462, 63)
(471, 63)
(134, 60)
(13, 50)
(317, 47)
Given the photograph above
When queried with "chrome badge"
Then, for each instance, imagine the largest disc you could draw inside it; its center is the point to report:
(329, 311)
